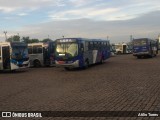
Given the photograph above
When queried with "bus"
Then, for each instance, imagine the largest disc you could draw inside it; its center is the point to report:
(13, 56)
(123, 48)
(80, 52)
(112, 49)
(41, 54)
(145, 47)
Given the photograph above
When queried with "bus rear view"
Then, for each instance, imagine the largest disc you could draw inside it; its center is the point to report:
(145, 47)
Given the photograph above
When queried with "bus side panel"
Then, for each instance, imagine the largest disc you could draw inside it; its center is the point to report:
(95, 56)
(106, 53)
(88, 56)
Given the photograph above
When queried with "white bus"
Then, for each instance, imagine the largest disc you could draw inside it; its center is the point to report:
(41, 54)
(13, 55)
(123, 48)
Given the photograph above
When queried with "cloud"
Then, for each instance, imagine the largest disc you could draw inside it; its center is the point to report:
(22, 14)
(16, 5)
(81, 18)
(118, 31)
(83, 13)
(7, 9)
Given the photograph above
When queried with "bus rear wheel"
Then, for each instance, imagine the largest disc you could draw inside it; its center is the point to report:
(67, 68)
(138, 57)
(102, 61)
(86, 64)
(37, 63)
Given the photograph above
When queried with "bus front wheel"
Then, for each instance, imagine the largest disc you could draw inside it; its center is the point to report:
(37, 63)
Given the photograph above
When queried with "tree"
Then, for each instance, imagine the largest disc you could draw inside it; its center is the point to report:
(34, 40)
(46, 40)
(26, 39)
(13, 38)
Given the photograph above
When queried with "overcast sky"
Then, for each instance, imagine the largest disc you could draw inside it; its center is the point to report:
(117, 19)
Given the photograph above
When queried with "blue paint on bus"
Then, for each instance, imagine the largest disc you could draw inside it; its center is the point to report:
(81, 52)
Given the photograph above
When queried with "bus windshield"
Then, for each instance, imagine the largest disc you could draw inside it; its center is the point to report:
(67, 49)
(139, 42)
(118, 47)
(19, 52)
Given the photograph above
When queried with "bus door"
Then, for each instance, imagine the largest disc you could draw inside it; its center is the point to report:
(124, 49)
(46, 56)
(6, 57)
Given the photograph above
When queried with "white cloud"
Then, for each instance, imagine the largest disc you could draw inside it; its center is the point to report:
(15, 5)
(118, 31)
(83, 13)
(22, 14)
(7, 9)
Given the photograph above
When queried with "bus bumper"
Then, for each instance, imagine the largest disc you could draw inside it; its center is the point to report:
(25, 65)
(63, 64)
(140, 53)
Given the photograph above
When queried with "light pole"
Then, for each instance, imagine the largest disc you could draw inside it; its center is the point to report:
(19, 37)
(5, 32)
(131, 38)
(107, 37)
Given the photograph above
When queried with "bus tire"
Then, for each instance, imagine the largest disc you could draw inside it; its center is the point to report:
(37, 63)
(119, 53)
(102, 61)
(138, 57)
(86, 64)
(67, 68)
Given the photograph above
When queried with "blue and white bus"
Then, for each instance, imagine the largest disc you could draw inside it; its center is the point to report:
(13, 55)
(41, 54)
(81, 52)
(145, 47)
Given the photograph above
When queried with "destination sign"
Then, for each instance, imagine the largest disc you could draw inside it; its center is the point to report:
(66, 40)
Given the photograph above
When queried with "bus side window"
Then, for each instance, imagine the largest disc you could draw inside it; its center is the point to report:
(30, 50)
(39, 50)
(82, 47)
(34, 50)
(90, 45)
(86, 46)
(94, 45)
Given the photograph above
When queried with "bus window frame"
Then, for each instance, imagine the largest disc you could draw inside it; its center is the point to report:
(30, 48)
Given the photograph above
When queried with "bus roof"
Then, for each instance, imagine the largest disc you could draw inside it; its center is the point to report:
(13, 43)
(143, 39)
(83, 39)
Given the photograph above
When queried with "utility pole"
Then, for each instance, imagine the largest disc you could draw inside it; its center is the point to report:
(107, 37)
(131, 38)
(5, 32)
(19, 37)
